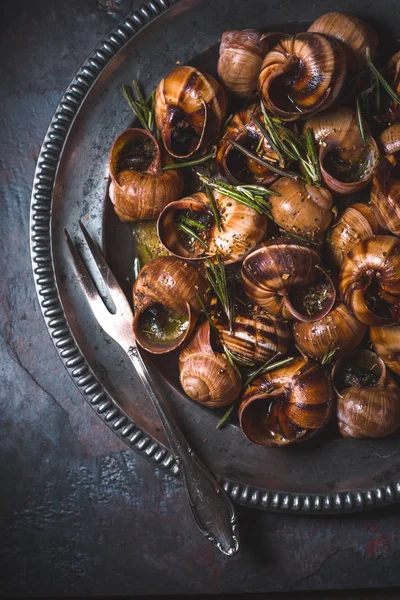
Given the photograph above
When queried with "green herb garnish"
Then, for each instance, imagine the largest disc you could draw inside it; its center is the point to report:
(143, 109)
(360, 122)
(223, 285)
(379, 77)
(191, 163)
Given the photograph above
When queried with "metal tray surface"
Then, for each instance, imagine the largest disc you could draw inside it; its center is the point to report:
(329, 475)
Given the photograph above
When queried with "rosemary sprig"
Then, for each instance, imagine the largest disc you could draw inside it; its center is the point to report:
(271, 139)
(360, 122)
(218, 279)
(264, 162)
(143, 110)
(213, 206)
(259, 145)
(381, 78)
(297, 148)
(252, 196)
(182, 226)
(205, 311)
(231, 360)
(191, 222)
(298, 237)
(191, 163)
(266, 368)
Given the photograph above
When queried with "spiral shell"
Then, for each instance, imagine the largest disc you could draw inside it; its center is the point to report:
(338, 332)
(240, 58)
(189, 108)
(236, 167)
(242, 228)
(254, 338)
(301, 208)
(369, 412)
(275, 271)
(386, 343)
(207, 376)
(175, 285)
(341, 148)
(370, 276)
(140, 193)
(357, 223)
(385, 193)
(289, 404)
(301, 75)
(355, 34)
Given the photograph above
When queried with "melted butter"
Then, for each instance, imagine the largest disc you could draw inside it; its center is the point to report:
(163, 325)
(148, 245)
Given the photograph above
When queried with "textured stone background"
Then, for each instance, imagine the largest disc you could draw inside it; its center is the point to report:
(80, 514)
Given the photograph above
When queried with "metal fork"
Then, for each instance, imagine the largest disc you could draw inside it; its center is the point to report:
(211, 507)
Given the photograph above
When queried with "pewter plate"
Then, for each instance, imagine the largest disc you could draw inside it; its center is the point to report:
(329, 475)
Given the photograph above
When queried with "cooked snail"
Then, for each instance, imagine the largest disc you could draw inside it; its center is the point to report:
(386, 343)
(166, 302)
(284, 277)
(370, 280)
(368, 400)
(347, 164)
(301, 75)
(301, 208)
(385, 193)
(205, 375)
(240, 58)
(241, 228)
(355, 34)
(357, 223)
(254, 338)
(139, 188)
(337, 333)
(190, 107)
(235, 166)
(290, 404)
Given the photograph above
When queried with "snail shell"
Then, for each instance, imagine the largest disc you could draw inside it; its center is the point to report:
(302, 75)
(140, 190)
(369, 412)
(189, 108)
(385, 193)
(339, 138)
(240, 58)
(233, 165)
(390, 139)
(242, 228)
(355, 34)
(357, 223)
(339, 330)
(207, 376)
(276, 269)
(386, 343)
(289, 404)
(370, 275)
(175, 285)
(254, 338)
(301, 208)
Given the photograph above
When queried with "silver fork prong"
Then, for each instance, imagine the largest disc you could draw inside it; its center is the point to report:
(96, 303)
(112, 285)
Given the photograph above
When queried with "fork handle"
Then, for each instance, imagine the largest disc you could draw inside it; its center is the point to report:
(211, 507)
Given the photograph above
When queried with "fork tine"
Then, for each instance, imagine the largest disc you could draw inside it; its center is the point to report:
(109, 279)
(89, 288)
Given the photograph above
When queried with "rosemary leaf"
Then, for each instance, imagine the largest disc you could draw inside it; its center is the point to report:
(312, 153)
(231, 360)
(190, 163)
(191, 222)
(205, 311)
(213, 206)
(134, 106)
(226, 416)
(381, 78)
(360, 121)
(218, 280)
(270, 138)
(329, 354)
(190, 232)
(267, 367)
(264, 162)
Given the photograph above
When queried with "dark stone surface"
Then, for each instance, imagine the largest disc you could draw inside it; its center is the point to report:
(80, 514)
